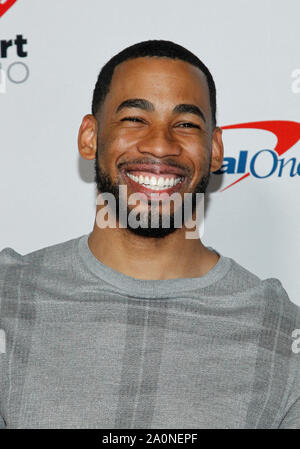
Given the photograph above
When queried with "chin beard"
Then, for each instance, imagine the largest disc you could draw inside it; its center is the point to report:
(105, 184)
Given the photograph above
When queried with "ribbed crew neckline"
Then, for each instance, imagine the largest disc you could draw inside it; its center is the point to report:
(149, 288)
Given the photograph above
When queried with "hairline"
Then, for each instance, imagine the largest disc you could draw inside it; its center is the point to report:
(131, 58)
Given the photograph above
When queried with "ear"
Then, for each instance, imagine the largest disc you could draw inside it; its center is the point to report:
(87, 137)
(217, 152)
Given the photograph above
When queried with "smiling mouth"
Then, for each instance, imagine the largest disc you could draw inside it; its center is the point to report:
(154, 180)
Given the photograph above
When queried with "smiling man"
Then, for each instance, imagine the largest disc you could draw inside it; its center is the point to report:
(135, 325)
(154, 134)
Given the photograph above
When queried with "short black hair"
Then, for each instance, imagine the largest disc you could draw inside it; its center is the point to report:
(159, 48)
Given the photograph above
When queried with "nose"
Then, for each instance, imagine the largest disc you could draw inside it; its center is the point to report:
(159, 143)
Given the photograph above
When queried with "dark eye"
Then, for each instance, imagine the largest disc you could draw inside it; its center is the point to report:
(132, 119)
(188, 125)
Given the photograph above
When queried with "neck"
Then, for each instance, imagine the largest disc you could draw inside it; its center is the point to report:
(149, 258)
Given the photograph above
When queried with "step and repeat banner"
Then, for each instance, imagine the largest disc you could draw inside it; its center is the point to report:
(50, 56)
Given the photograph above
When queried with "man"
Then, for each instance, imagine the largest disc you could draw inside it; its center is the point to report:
(134, 325)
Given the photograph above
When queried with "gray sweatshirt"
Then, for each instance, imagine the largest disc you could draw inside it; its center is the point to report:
(88, 347)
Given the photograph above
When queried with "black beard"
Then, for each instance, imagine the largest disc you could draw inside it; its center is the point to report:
(105, 184)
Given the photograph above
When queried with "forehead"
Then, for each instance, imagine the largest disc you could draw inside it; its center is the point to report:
(159, 79)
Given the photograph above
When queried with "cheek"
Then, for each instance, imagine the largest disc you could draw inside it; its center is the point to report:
(199, 155)
(114, 149)
(202, 159)
(111, 148)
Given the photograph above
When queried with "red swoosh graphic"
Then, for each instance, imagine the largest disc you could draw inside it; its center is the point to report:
(287, 133)
(5, 6)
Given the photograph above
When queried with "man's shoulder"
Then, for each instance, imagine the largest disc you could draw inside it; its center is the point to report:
(277, 298)
(268, 293)
(57, 255)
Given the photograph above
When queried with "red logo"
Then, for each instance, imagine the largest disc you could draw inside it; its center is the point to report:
(287, 133)
(5, 5)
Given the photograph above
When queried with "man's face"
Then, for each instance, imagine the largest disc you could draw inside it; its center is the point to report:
(155, 131)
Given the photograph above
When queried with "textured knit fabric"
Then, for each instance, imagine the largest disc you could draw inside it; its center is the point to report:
(88, 347)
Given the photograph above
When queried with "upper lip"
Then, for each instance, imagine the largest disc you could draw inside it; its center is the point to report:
(157, 169)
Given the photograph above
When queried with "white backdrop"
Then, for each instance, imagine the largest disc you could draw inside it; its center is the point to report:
(252, 50)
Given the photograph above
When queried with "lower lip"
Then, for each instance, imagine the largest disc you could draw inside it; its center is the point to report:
(136, 187)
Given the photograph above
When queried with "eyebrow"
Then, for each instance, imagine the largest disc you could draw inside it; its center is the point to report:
(136, 103)
(146, 105)
(189, 109)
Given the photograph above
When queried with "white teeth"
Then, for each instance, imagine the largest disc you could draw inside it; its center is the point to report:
(157, 188)
(160, 181)
(154, 182)
(130, 175)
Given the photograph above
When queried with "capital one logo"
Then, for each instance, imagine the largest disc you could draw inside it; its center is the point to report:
(5, 5)
(266, 162)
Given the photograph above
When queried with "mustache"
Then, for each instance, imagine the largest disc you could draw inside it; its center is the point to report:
(157, 162)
